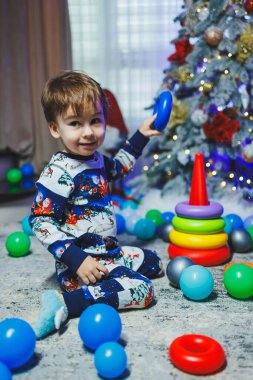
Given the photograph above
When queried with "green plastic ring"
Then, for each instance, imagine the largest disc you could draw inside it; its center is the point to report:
(198, 226)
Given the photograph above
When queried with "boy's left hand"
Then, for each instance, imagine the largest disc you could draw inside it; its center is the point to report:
(147, 125)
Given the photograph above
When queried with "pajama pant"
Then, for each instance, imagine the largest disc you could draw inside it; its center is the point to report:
(128, 285)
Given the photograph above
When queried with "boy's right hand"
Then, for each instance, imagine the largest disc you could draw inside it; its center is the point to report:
(89, 271)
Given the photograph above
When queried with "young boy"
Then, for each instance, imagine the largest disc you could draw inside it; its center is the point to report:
(72, 214)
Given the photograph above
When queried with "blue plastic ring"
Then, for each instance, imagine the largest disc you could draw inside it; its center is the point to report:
(163, 107)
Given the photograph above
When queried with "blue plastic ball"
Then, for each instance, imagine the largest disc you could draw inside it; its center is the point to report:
(118, 199)
(5, 374)
(110, 360)
(248, 222)
(98, 324)
(28, 183)
(228, 226)
(168, 216)
(235, 220)
(121, 223)
(26, 226)
(27, 170)
(145, 229)
(196, 282)
(131, 222)
(130, 204)
(17, 342)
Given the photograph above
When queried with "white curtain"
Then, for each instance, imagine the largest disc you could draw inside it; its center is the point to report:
(124, 45)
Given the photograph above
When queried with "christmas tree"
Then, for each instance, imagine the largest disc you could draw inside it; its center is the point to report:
(210, 75)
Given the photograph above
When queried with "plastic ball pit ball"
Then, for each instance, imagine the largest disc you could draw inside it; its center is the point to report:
(240, 240)
(18, 244)
(120, 223)
(5, 373)
(163, 107)
(196, 282)
(93, 325)
(110, 360)
(197, 354)
(175, 268)
(163, 231)
(250, 231)
(26, 226)
(13, 176)
(27, 170)
(235, 221)
(17, 342)
(131, 222)
(145, 229)
(248, 222)
(155, 216)
(238, 280)
(241, 262)
(168, 216)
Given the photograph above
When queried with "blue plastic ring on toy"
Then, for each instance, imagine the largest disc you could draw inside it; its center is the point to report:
(163, 108)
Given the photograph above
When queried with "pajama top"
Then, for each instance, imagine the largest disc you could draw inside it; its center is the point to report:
(72, 213)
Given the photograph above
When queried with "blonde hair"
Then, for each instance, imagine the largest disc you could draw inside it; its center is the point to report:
(71, 89)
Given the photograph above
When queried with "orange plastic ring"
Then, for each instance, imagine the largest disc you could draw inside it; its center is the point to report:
(197, 354)
(205, 257)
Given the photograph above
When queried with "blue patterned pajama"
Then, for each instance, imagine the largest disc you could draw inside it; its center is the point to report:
(128, 285)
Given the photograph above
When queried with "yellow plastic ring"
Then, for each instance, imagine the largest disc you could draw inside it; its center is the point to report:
(198, 226)
(198, 241)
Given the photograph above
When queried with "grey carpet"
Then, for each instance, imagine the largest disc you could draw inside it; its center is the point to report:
(146, 333)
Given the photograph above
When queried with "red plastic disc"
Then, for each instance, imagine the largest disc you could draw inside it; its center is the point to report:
(197, 354)
(205, 257)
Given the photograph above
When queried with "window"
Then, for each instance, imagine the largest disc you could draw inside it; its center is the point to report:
(124, 45)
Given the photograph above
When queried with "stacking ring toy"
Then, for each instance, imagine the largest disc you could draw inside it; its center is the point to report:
(163, 108)
(198, 241)
(205, 257)
(211, 211)
(240, 262)
(197, 354)
(198, 226)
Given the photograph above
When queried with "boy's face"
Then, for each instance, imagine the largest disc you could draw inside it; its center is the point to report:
(80, 134)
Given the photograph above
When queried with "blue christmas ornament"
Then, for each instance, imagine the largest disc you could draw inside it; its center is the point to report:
(110, 360)
(26, 226)
(98, 324)
(17, 342)
(196, 282)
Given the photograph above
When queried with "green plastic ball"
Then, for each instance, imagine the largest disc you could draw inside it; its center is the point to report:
(18, 244)
(13, 175)
(155, 216)
(238, 280)
(250, 231)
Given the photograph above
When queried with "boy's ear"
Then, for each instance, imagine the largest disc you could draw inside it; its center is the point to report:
(53, 128)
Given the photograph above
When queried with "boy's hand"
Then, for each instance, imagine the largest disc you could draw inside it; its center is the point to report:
(147, 125)
(89, 271)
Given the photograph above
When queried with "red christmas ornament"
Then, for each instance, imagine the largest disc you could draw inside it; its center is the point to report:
(183, 48)
(221, 128)
(248, 5)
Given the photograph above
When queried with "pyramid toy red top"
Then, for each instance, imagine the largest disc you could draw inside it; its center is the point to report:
(198, 193)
